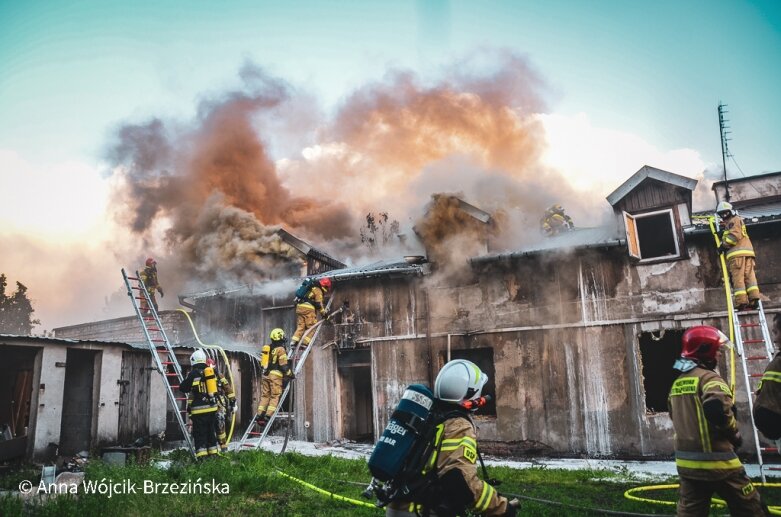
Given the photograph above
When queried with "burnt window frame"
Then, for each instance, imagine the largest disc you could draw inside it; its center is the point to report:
(648, 366)
(634, 238)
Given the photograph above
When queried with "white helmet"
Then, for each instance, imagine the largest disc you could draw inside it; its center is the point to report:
(199, 356)
(459, 380)
(724, 206)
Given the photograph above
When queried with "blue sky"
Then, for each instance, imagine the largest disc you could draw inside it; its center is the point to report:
(72, 69)
(627, 83)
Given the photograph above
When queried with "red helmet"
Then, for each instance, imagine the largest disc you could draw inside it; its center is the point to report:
(150, 262)
(702, 343)
(325, 282)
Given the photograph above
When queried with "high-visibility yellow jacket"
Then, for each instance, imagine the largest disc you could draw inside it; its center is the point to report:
(767, 406)
(735, 237)
(701, 408)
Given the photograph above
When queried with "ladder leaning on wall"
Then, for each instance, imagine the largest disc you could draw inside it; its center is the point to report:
(162, 353)
(298, 365)
(749, 332)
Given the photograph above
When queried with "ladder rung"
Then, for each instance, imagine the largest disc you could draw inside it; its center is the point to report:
(746, 341)
(166, 362)
(755, 374)
(756, 357)
(158, 340)
(772, 468)
(149, 318)
(180, 398)
(140, 298)
(132, 278)
(769, 449)
(749, 324)
(247, 445)
(153, 329)
(171, 374)
(174, 386)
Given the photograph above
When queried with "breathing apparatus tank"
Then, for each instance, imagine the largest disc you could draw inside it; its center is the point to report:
(399, 439)
(264, 357)
(211, 381)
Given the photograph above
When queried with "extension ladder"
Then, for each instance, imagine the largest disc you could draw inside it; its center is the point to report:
(297, 367)
(754, 345)
(161, 350)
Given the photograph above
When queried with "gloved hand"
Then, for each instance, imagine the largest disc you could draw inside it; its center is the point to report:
(723, 248)
(232, 404)
(324, 314)
(737, 440)
(162, 294)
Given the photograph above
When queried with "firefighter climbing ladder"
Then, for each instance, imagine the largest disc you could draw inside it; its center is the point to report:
(751, 337)
(161, 350)
(298, 365)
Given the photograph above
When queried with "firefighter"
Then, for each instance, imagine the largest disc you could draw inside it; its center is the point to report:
(706, 436)
(202, 406)
(556, 221)
(306, 310)
(457, 488)
(149, 277)
(226, 405)
(739, 253)
(276, 373)
(767, 407)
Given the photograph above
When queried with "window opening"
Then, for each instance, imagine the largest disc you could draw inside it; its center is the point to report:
(658, 352)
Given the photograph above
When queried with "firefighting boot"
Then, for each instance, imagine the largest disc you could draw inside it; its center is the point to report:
(261, 420)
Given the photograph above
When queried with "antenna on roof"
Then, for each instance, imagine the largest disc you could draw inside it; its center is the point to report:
(723, 130)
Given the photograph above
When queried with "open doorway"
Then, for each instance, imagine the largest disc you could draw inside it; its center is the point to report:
(77, 402)
(658, 352)
(354, 367)
(16, 386)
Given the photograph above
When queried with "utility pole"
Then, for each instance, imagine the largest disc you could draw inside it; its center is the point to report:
(723, 130)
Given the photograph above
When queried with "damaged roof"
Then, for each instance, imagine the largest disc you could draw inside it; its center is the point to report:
(412, 265)
(578, 238)
(309, 250)
(648, 172)
(765, 213)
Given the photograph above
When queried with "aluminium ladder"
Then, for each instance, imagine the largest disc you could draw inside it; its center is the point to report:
(297, 367)
(162, 353)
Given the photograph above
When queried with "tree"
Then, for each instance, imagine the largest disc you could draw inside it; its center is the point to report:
(16, 310)
(378, 232)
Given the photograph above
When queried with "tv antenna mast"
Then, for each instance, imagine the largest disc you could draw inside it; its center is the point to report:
(724, 131)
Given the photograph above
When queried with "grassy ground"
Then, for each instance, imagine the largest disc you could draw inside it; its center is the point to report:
(256, 489)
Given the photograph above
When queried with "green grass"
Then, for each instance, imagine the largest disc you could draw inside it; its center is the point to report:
(256, 489)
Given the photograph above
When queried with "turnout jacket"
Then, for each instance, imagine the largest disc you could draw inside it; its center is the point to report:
(701, 408)
(275, 361)
(199, 402)
(225, 390)
(735, 237)
(149, 277)
(458, 486)
(767, 406)
(314, 299)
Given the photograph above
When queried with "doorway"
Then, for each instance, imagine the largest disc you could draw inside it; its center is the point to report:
(354, 367)
(77, 402)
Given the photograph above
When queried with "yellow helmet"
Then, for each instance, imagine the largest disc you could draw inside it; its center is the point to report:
(277, 335)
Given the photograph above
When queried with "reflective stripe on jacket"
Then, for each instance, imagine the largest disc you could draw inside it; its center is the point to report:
(277, 362)
(194, 384)
(703, 450)
(735, 237)
(314, 299)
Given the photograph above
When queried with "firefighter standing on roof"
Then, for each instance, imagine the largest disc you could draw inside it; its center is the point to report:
(226, 404)
(767, 406)
(706, 433)
(457, 488)
(307, 309)
(556, 221)
(149, 277)
(740, 257)
(202, 389)
(276, 372)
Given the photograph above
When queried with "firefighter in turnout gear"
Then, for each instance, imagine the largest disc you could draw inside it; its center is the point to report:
(202, 404)
(556, 221)
(307, 309)
(739, 254)
(276, 372)
(702, 410)
(457, 488)
(767, 406)
(226, 405)
(149, 277)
